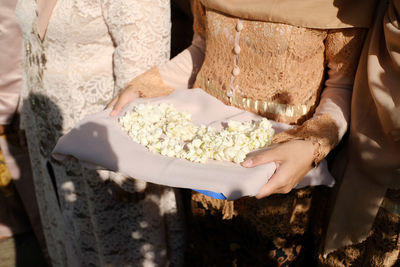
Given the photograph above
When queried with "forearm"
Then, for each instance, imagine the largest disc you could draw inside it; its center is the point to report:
(335, 101)
(181, 71)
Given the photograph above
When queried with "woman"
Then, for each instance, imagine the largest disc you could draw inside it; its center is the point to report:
(292, 62)
(78, 54)
(364, 228)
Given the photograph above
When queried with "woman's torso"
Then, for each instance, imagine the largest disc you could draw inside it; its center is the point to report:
(71, 69)
(273, 69)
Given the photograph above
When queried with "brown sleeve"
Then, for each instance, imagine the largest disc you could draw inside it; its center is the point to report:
(150, 84)
(322, 131)
(343, 48)
(199, 17)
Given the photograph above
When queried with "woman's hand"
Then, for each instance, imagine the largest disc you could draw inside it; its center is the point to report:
(293, 160)
(122, 99)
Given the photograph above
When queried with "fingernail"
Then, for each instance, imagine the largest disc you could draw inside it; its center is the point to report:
(113, 113)
(247, 163)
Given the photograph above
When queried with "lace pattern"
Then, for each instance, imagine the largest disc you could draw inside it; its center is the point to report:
(343, 48)
(277, 63)
(90, 51)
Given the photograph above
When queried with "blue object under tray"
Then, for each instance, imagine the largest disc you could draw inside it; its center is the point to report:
(211, 194)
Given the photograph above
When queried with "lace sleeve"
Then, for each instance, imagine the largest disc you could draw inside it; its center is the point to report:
(141, 34)
(330, 120)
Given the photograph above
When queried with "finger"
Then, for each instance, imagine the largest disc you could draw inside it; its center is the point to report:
(121, 102)
(260, 158)
(277, 184)
(112, 102)
(124, 98)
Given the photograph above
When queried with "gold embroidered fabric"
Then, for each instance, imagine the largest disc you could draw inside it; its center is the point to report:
(279, 64)
(276, 70)
(274, 62)
(265, 108)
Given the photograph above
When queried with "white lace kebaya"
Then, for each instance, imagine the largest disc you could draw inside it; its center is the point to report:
(169, 132)
(90, 51)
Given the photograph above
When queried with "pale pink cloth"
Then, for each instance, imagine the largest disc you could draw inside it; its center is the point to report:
(99, 140)
(10, 65)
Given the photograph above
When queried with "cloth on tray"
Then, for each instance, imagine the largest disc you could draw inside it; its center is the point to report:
(98, 141)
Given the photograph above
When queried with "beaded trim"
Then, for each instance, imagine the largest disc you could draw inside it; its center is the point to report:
(258, 106)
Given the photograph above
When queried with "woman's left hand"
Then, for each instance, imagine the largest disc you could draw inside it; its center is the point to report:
(293, 160)
(125, 97)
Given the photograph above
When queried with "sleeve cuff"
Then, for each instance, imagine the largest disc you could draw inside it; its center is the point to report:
(322, 131)
(150, 84)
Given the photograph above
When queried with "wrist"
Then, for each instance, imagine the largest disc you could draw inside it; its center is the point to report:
(321, 131)
(149, 84)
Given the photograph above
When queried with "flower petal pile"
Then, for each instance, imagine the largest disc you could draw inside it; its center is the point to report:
(167, 131)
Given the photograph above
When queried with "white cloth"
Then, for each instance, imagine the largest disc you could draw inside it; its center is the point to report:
(89, 51)
(99, 141)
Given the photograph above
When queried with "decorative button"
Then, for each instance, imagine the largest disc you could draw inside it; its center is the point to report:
(229, 93)
(237, 49)
(239, 26)
(236, 71)
(28, 47)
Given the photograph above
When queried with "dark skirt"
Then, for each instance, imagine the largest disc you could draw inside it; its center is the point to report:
(281, 230)
(381, 248)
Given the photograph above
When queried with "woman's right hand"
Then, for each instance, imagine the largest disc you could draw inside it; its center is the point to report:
(293, 159)
(125, 97)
